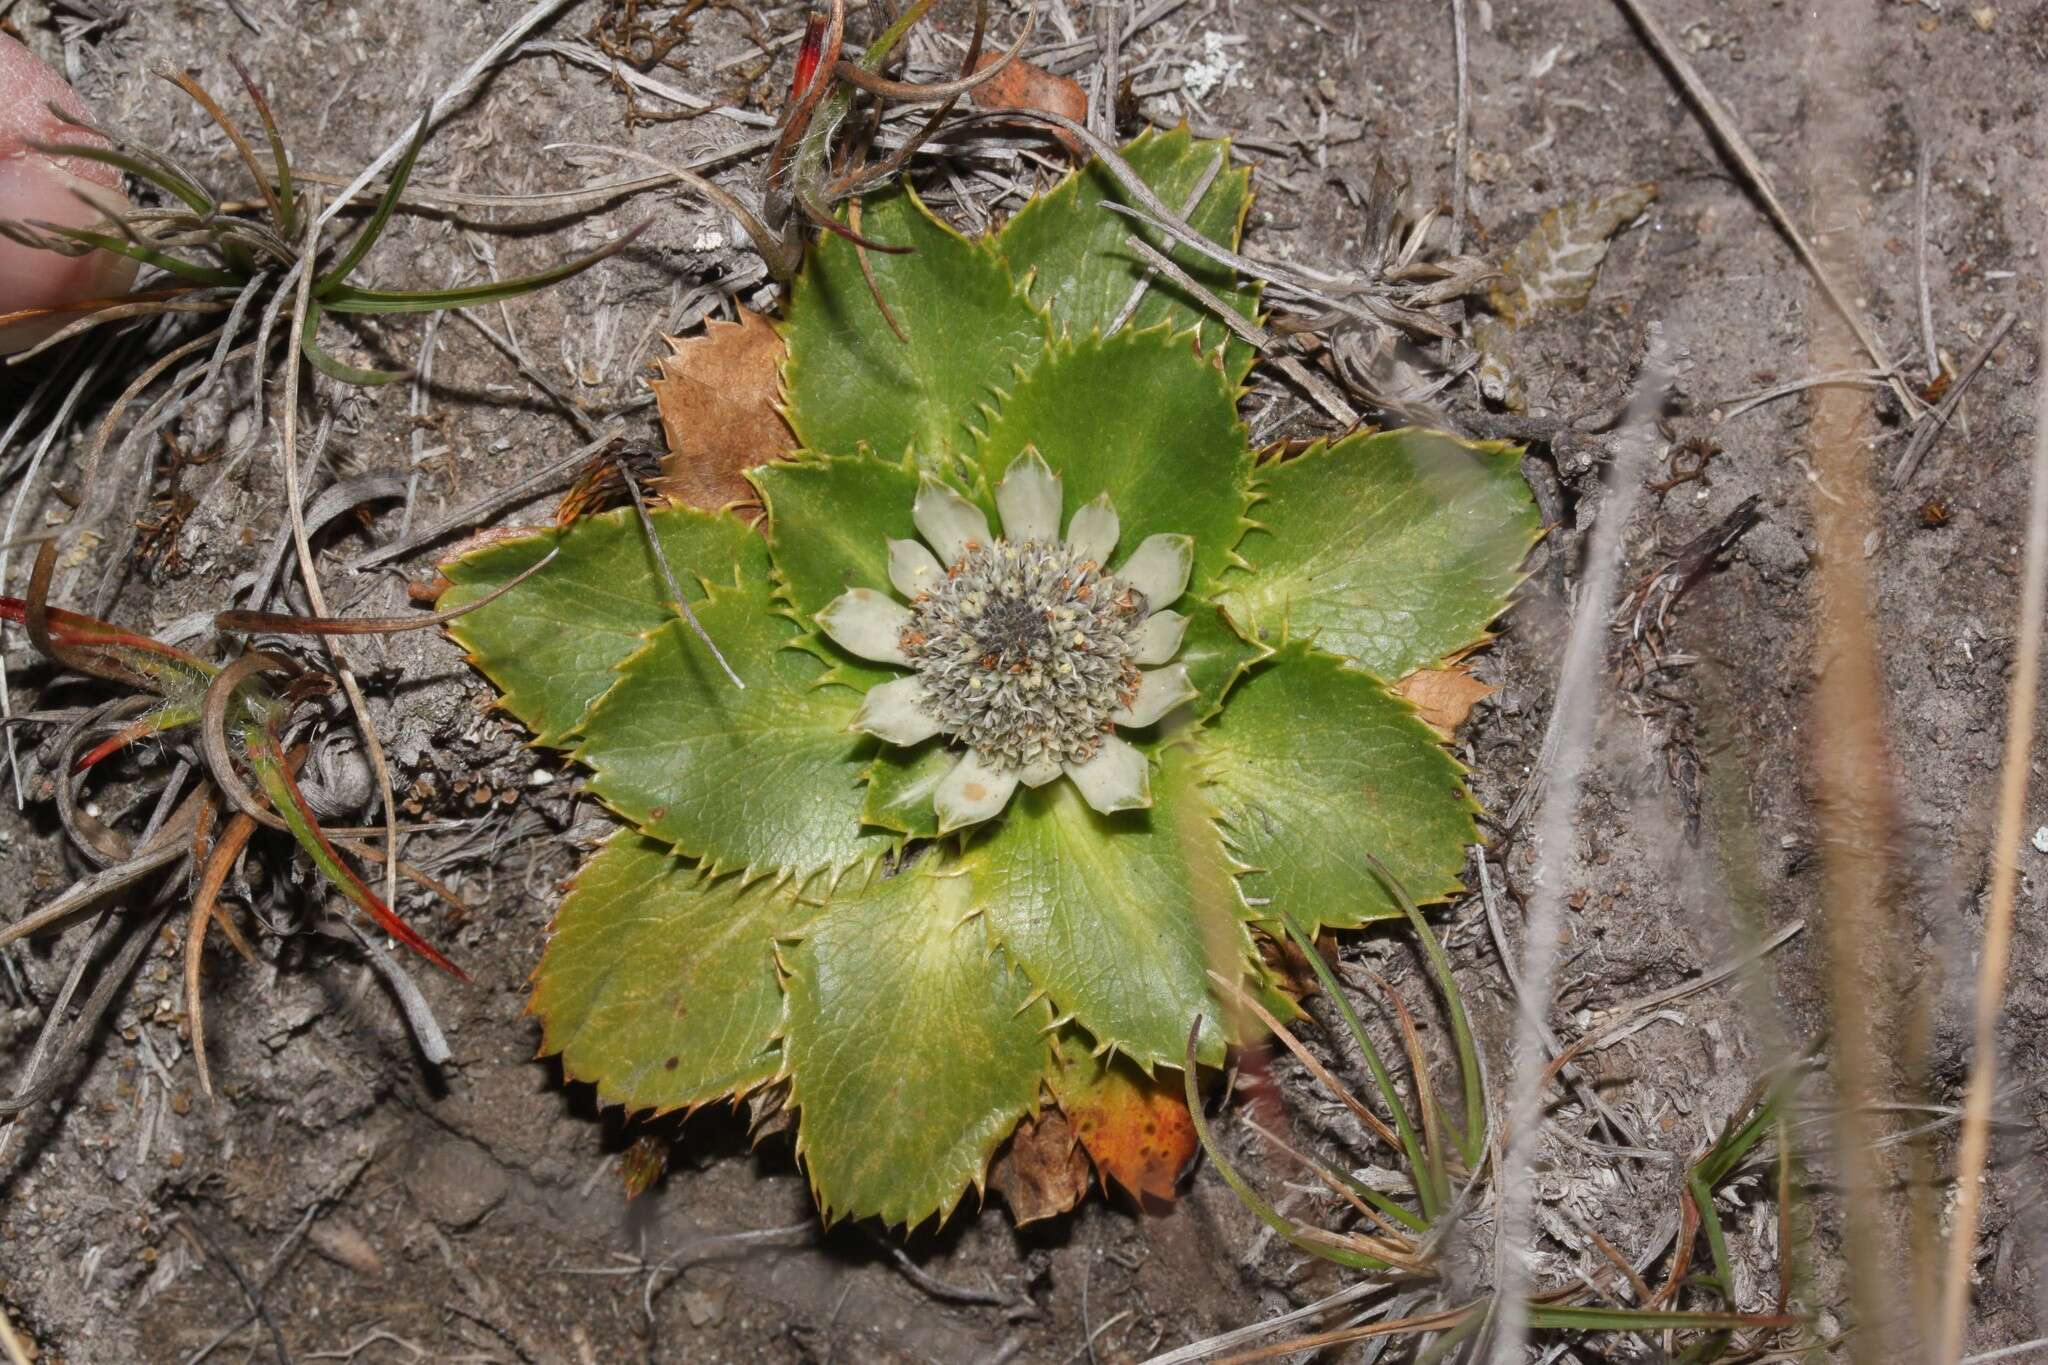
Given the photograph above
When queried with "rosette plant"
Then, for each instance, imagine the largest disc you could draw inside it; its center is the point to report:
(1050, 698)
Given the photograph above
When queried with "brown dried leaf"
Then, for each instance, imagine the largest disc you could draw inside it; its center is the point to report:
(769, 1114)
(643, 1164)
(1556, 265)
(1444, 696)
(717, 396)
(1136, 1128)
(343, 1243)
(1022, 85)
(1042, 1171)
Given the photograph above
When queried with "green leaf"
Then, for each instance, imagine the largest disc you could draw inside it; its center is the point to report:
(349, 298)
(658, 985)
(913, 1048)
(1215, 655)
(552, 645)
(1313, 766)
(1392, 550)
(852, 382)
(148, 165)
(1141, 417)
(762, 778)
(1118, 918)
(381, 215)
(266, 759)
(164, 261)
(1073, 256)
(901, 783)
(339, 370)
(829, 521)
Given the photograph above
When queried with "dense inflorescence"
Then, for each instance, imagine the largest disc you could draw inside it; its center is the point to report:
(1025, 650)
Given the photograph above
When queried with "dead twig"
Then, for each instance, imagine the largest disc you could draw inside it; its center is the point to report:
(1257, 337)
(1745, 402)
(1731, 138)
(951, 1293)
(1923, 439)
(483, 509)
(189, 1228)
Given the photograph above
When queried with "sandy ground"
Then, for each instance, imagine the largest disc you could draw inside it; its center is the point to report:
(397, 1213)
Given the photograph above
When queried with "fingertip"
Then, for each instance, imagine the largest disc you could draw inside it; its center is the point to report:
(38, 188)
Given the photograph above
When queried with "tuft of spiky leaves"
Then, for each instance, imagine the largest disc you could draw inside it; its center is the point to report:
(920, 983)
(1401, 1238)
(202, 256)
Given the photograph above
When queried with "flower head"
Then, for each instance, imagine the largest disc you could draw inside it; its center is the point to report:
(1024, 649)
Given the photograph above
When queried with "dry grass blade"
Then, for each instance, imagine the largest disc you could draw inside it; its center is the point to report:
(483, 509)
(286, 623)
(1197, 1351)
(113, 978)
(668, 578)
(213, 739)
(1997, 953)
(206, 911)
(1400, 1252)
(90, 890)
(288, 447)
(1344, 1336)
(17, 1353)
(909, 92)
(535, 15)
(1920, 190)
(104, 311)
(1425, 1094)
(1753, 171)
(204, 100)
(1251, 333)
(1373, 1123)
(1621, 1129)
(1623, 1014)
(1188, 205)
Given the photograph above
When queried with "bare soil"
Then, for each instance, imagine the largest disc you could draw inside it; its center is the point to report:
(390, 1211)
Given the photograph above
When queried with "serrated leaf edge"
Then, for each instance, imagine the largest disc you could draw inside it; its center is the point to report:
(546, 1047)
(1227, 830)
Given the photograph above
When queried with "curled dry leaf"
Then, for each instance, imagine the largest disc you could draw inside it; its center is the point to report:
(1021, 85)
(1444, 696)
(1555, 266)
(1135, 1127)
(1043, 1172)
(717, 396)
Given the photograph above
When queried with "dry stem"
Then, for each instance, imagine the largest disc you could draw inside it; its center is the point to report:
(1991, 968)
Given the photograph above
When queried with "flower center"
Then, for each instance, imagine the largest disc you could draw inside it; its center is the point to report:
(1025, 650)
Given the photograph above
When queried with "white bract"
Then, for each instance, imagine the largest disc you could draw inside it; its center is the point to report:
(1023, 649)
